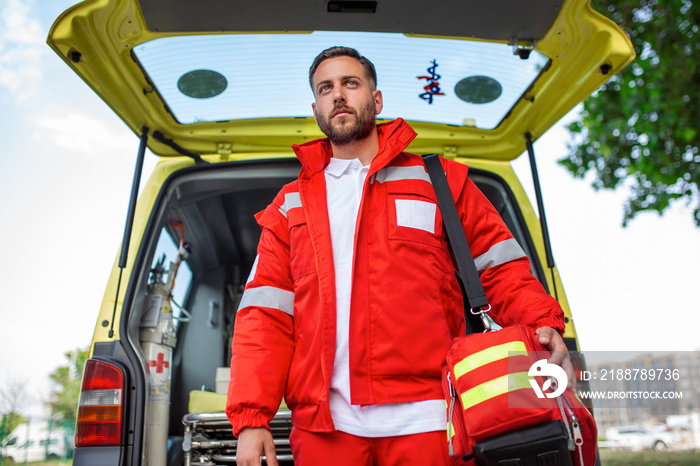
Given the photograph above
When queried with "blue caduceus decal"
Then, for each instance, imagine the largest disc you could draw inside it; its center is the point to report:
(432, 89)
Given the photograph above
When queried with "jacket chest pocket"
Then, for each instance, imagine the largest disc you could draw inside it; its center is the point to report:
(301, 258)
(414, 214)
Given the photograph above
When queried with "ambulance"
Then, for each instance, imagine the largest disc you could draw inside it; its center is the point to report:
(218, 90)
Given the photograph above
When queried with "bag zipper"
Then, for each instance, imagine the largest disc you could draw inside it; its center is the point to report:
(571, 444)
(453, 399)
(576, 428)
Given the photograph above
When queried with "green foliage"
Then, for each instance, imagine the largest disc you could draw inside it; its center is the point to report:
(13, 400)
(641, 130)
(63, 401)
(8, 422)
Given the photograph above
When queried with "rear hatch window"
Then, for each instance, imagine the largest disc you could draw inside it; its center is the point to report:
(457, 82)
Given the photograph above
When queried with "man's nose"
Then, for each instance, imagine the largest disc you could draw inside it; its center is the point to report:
(338, 95)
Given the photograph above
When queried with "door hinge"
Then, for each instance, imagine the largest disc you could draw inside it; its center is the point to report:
(449, 152)
(224, 149)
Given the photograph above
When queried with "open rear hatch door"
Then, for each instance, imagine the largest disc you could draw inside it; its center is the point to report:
(217, 77)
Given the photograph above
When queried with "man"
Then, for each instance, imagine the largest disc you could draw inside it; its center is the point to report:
(352, 301)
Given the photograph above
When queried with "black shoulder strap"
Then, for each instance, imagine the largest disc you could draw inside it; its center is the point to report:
(466, 268)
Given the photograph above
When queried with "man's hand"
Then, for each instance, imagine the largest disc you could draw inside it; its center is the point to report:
(253, 444)
(551, 339)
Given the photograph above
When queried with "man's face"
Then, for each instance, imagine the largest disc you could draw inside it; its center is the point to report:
(346, 103)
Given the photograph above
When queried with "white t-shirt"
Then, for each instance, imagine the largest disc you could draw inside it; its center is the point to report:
(344, 182)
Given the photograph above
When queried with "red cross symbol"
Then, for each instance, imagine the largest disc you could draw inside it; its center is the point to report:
(159, 364)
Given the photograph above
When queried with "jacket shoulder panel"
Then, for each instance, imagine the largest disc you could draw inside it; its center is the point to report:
(275, 217)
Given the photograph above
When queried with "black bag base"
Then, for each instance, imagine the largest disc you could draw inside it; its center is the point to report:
(541, 445)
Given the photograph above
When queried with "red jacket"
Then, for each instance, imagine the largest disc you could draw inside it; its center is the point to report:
(406, 302)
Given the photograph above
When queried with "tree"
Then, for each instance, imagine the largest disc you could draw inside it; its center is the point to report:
(63, 400)
(13, 400)
(641, 130)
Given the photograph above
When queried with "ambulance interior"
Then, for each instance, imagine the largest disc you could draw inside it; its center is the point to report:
(215, 205)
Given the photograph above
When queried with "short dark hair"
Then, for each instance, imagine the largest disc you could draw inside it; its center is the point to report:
(334, 52)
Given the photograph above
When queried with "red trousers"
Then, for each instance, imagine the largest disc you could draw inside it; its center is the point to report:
(341, 449)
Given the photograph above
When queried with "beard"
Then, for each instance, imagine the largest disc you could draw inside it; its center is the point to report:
(345, 133)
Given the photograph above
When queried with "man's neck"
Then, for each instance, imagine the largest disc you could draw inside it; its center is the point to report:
(365, 150)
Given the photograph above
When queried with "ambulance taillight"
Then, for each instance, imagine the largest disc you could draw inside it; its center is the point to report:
(100, 412)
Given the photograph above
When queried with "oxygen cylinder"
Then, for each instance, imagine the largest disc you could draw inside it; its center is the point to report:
(158, 338)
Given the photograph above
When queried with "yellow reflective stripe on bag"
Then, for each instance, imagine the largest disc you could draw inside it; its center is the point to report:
(494, 388)
(487, 356)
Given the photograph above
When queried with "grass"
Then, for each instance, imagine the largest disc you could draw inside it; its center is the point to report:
(650, 458)
(4, 462)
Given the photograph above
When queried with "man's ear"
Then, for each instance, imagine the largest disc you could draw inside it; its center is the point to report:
(378, 100)
(313, 108)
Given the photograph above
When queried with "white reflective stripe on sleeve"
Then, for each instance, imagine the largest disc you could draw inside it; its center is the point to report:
(416, 172)
(500, 253)
(253, 269)
(268, 296)
(291, 200)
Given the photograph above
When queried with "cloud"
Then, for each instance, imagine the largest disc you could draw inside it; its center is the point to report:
(21, 49)
(83, 134)
(18, 26)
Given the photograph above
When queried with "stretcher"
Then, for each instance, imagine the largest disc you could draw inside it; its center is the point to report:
(208, 438)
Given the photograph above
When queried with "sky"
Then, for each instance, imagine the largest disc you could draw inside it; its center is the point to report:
(66, 165)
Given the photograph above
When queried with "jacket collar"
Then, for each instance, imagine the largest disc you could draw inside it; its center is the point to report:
(394, 137)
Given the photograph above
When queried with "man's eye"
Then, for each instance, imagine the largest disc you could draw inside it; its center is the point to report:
(352, 83)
